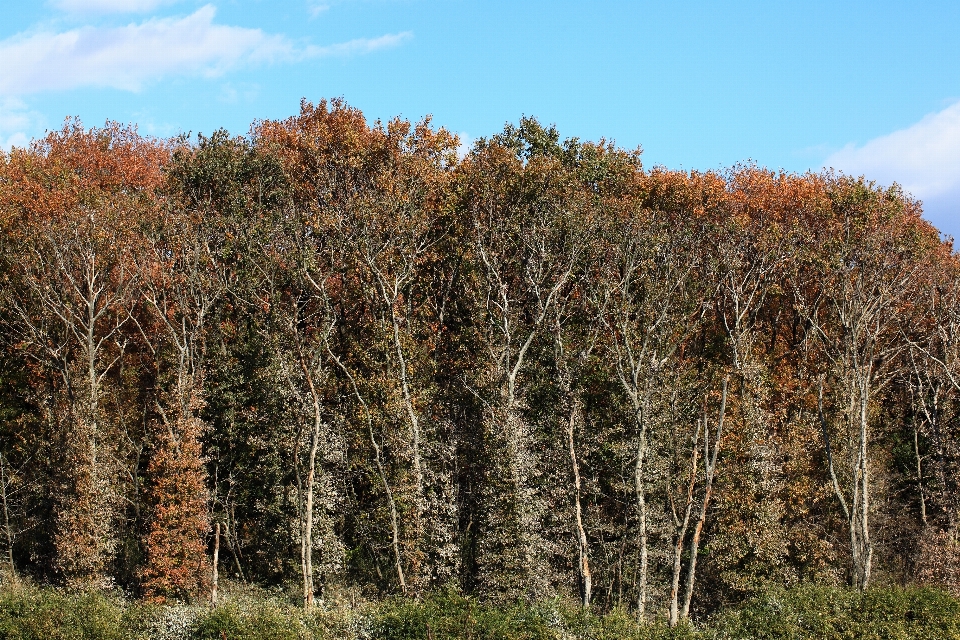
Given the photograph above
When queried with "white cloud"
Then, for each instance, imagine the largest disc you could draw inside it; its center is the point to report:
(109, 6)
(127, 57)
(360, 45)
(18, 123)
(924, 158)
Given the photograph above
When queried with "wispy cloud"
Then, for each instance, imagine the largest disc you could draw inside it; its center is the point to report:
(231, 93)
(18, 123)
(924, 158)
(109, 6)
(129, 56)
(316, 8)
(358, 46)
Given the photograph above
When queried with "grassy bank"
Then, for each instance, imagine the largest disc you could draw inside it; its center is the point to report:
(821, 613)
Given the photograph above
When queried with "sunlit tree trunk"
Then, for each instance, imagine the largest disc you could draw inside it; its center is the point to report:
(710, 453)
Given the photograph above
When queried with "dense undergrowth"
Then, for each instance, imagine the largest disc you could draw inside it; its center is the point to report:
(809, 612)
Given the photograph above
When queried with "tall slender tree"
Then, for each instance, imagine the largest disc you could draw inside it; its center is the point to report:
(79, 195)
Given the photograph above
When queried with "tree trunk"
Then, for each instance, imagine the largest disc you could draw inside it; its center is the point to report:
(857, 512)
(642, 515)
(215, 582)
(583, 565)
(863, 567)
(5, 484)
(919, 464)
(710, 466)
(641, 491)
(681, 533)
(307, 540)
(381, 472)
(419, 499)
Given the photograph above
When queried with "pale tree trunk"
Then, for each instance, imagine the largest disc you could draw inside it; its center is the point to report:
(313, 371)
(640, 488)
(857, 314)
(863, 558)
(643, 298)
(641, 410)
(509, 340)
(680, 530)
(302, 322)
(640, 399)
(856, 512)
(215, 582)
(927, 395)
(575, 420)
(390, 297)
(583, 564)
(929, 392)
(710, 467)
(392, 242)
(306, 543)
(919, 465)
(408, 403)
(631, 369)
(6, 486)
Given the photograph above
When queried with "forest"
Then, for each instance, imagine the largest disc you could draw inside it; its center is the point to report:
(343, 359)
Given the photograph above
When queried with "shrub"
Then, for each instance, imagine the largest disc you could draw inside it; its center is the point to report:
(450, 616)
(263, 621)
(828, 613)
(619, 624)
(808, 612)
(44, 614)
(151, 621)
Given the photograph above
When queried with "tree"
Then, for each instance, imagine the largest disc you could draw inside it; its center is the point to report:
(78, 195)
(526, 245)
(12, 492)
(392, 232)
(858, 291)
(227, 193)
(180, 288)
(650, 310)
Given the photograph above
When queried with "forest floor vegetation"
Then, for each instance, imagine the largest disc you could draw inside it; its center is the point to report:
(809, 612)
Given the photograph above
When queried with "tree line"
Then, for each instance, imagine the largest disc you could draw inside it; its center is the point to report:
(346, 356)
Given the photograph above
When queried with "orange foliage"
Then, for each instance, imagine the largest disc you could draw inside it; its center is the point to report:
(176, 556)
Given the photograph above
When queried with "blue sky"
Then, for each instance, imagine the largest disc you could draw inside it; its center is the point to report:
(867, 87)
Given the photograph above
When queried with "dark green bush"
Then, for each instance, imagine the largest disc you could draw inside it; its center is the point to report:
(255, 622)
(830, 613)
(44, 614)
(619, 625)
(450, 616)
